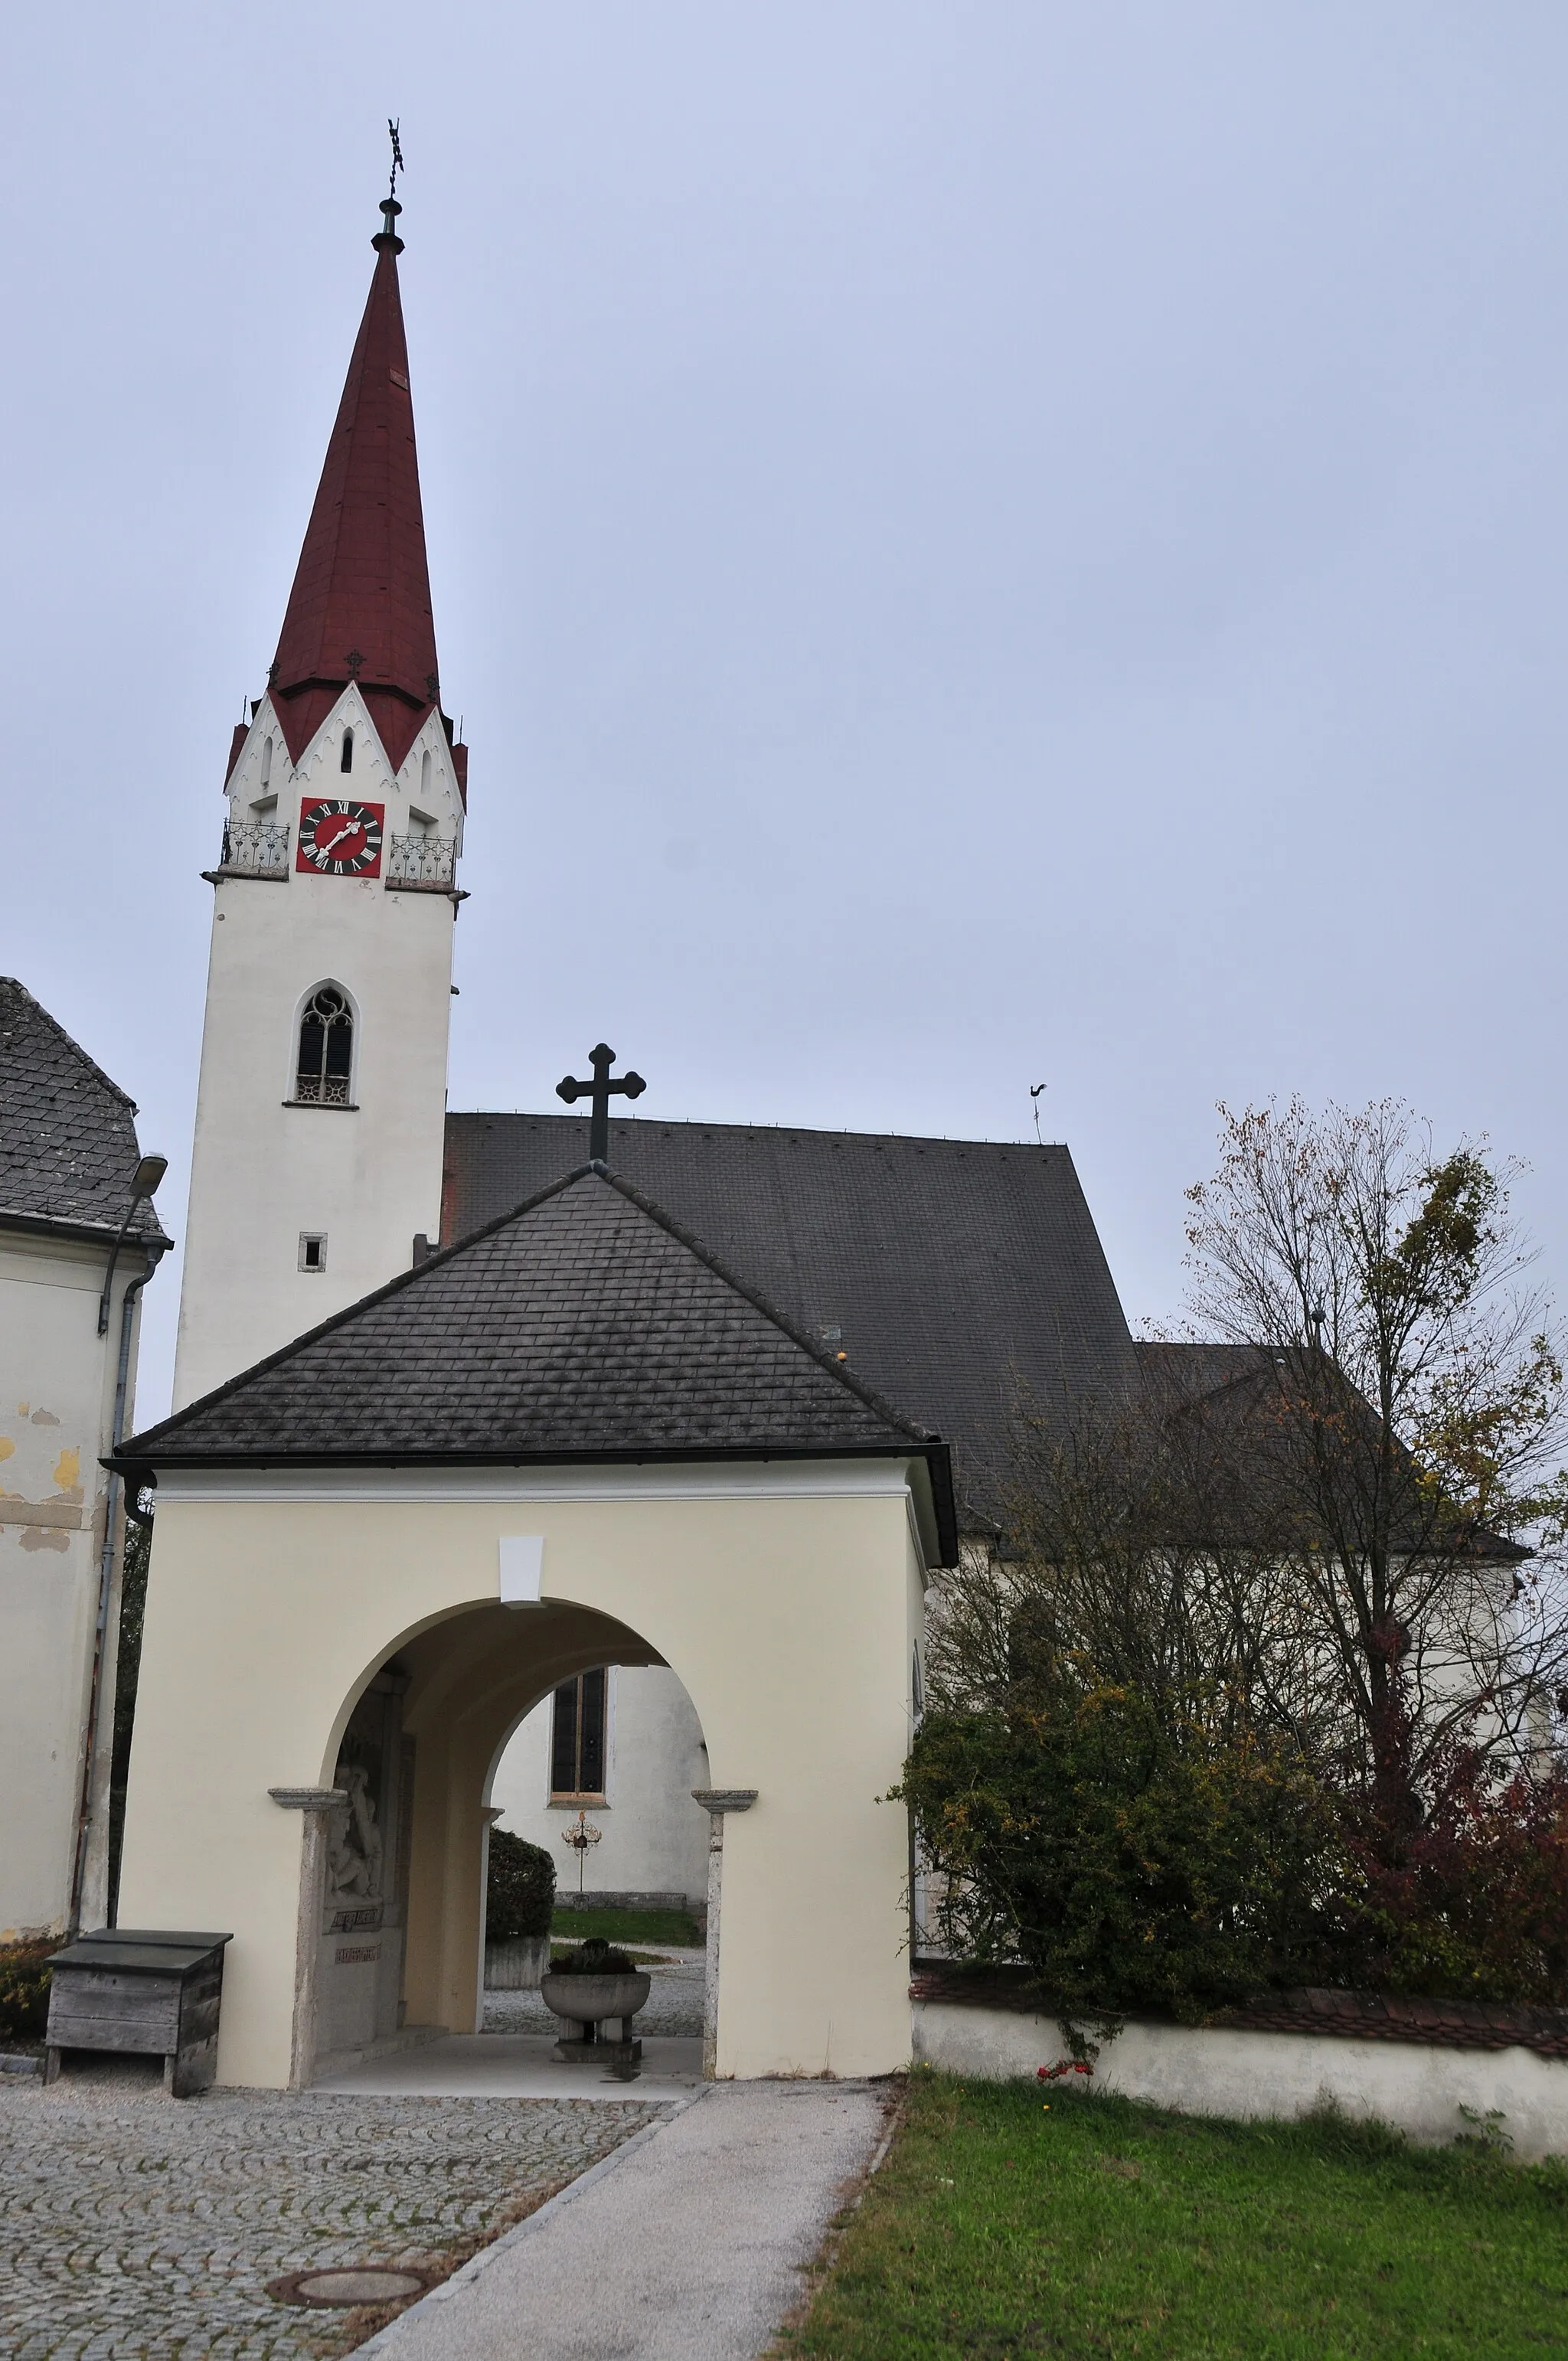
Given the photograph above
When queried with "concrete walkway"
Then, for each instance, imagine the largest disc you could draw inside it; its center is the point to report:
(686, 2244)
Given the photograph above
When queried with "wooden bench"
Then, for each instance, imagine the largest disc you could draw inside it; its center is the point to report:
(148, 1992)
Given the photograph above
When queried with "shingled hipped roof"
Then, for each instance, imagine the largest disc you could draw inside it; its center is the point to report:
(585, 1326)
(68, 1135)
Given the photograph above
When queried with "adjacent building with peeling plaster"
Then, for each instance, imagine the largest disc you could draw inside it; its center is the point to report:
(69, 1156)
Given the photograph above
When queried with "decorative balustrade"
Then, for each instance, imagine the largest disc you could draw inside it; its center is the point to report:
(421, 862)
(255, 848)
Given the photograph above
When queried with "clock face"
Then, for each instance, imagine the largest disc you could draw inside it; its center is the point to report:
(339, 839)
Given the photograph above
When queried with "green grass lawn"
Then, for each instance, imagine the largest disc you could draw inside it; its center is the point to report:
(1001, 2226)
(672, 1927)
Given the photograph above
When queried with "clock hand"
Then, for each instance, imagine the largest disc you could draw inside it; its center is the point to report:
(346, 830)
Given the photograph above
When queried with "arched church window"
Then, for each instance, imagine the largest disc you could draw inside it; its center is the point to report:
(425, 774)
(326, 1050)
(346, 760)
(267, 763)
(576, 1747)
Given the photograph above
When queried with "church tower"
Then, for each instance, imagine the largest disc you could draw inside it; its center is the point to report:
(319, 1118)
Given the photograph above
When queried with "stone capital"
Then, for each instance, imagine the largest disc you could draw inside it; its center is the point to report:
(724, 1799)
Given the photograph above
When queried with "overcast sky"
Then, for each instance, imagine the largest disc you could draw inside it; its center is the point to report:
(975, 544)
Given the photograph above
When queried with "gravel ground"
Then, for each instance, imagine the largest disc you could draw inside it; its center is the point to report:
(132, 2225)
(674, 2006)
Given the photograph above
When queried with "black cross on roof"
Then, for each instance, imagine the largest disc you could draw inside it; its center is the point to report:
(599, 1090)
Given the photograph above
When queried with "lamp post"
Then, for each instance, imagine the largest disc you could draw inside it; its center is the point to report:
(145, 1182)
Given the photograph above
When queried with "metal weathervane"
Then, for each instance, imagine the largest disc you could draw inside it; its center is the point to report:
(398, 163)
(600, 1092)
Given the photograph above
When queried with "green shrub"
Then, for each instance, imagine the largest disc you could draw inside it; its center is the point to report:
(23, 1990)
(595, 1959)
(521, 1896)
(1127, 1855)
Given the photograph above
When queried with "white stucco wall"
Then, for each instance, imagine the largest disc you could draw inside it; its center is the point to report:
(263, 1170)
(1217, 2070)
(57, 1394)
(652, 1837)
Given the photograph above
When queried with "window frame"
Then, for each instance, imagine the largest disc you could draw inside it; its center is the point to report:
(575, 1797)
(348, 1102)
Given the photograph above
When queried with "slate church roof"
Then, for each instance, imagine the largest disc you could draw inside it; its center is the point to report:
(68, 1135)
(951, 1272)
(586, 1326)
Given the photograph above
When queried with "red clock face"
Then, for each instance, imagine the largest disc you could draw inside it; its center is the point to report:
(338, 838)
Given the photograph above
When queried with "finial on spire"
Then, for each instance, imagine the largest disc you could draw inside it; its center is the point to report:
(388, 235)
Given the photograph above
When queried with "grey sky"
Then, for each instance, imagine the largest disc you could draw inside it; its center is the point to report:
(975, 544)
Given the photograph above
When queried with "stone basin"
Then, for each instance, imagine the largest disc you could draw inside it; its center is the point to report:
(589, 2000)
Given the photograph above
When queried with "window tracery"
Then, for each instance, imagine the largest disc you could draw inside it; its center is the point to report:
(325, 1065)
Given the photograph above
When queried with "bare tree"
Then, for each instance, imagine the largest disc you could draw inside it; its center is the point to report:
(1401, 1440)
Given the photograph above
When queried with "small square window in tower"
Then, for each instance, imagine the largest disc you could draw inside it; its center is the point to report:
(577, 1751)
(313, 1249)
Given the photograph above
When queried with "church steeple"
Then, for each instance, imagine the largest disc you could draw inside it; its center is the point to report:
(320, 1107)
(360, 608)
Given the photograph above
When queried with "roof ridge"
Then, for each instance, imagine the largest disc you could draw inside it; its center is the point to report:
(75, 1046)
(764, 1130)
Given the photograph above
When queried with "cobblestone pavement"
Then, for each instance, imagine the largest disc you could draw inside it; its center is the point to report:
(134, 2227)
(674, 2006)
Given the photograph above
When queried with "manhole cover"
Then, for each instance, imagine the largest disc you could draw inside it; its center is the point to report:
(349, 2283)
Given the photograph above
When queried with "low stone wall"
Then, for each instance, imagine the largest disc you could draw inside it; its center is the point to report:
(1414, 2064)
(517, 1966)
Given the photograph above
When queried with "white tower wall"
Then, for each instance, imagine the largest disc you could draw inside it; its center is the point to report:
(264, 1170)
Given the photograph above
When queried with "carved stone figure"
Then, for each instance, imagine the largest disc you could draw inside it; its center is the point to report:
(354, 1843)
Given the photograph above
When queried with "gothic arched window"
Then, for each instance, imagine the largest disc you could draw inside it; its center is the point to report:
(346, 760)
(326, 1048)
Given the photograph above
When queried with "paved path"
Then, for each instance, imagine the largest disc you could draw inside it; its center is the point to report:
(688, 2245)
(135, 2225)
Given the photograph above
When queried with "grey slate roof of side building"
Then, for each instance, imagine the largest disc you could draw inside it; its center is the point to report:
(67, 1136)
(961, 1274)
(582, 1326)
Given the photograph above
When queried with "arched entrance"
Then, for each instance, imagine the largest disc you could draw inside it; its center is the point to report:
(399, 1916)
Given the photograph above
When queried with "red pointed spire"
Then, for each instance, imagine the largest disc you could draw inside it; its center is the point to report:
(360, 608)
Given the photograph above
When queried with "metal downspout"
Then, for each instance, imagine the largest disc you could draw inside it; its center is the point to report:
(106, 1587)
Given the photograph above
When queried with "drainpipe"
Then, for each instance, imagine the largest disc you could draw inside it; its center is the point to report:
(105, 1584)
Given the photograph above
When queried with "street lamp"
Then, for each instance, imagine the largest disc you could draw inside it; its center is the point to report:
(144, 1184)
